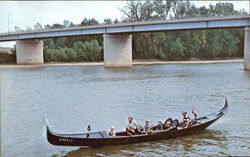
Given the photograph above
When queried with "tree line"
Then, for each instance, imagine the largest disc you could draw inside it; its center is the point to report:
(176, 45)
(166, 45)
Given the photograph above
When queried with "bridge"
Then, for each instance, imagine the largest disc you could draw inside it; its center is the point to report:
(118, 37)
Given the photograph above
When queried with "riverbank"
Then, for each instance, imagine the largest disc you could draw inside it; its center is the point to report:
(135, 62)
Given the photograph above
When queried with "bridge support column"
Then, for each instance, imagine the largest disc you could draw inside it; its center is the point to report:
(117, 50)
(29, 52)
(247, 48)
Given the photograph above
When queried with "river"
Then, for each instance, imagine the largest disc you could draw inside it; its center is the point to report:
(71, 97)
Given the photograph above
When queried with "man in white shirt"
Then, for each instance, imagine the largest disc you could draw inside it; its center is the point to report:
(132, 127)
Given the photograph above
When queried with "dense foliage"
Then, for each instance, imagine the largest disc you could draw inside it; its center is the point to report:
(168, 45)
(178, 45)
(7, 57)
(87, 51)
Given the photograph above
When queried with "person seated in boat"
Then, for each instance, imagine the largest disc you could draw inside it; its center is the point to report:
(186, 120)
(146, 127)
(132, 127)
(159, 126)
(167, 125)
(112, 131)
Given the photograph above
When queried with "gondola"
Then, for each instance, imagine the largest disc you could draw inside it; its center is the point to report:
(102, 138)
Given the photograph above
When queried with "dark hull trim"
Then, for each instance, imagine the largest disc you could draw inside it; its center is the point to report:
(104, 140)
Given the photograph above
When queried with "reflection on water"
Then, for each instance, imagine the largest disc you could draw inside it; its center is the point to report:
(73, 97)
(188, 145)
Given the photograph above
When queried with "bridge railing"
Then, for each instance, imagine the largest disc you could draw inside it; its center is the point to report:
(182, 20)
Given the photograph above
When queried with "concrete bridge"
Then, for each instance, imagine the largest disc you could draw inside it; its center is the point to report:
(118, 37)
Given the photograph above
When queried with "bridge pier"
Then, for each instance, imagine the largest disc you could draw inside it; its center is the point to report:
(29, 52)
(247, 48)
(117, 50)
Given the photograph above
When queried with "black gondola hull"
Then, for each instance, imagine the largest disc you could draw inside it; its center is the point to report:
(102, 139)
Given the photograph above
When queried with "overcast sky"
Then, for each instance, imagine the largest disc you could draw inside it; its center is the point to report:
(27, 13)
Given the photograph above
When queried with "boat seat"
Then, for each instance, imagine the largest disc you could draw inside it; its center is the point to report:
(175, 124)
(104, 134)
(165, 123)
(100, 134)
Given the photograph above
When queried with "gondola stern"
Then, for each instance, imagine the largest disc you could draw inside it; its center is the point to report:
(49, 136)
(46, 133)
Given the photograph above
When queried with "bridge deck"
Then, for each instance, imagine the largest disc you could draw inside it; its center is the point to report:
(149, 26)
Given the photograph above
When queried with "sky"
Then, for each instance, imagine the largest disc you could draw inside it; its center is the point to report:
(26, 14)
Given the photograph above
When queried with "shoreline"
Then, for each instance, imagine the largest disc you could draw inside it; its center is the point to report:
(135, 62)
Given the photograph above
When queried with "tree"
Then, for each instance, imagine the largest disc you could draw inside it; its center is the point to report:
(38, 26)
(61, 42)
(162, 9)
(57, 25)
(66, 23)
(89, 22)
(132, 11)
(184, 9)
(71, 24)
(17, 29)
(107, 21)
(28, 28)
(223, 9)
(116, 21)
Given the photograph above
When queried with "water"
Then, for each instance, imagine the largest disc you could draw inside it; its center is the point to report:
(73, 97)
